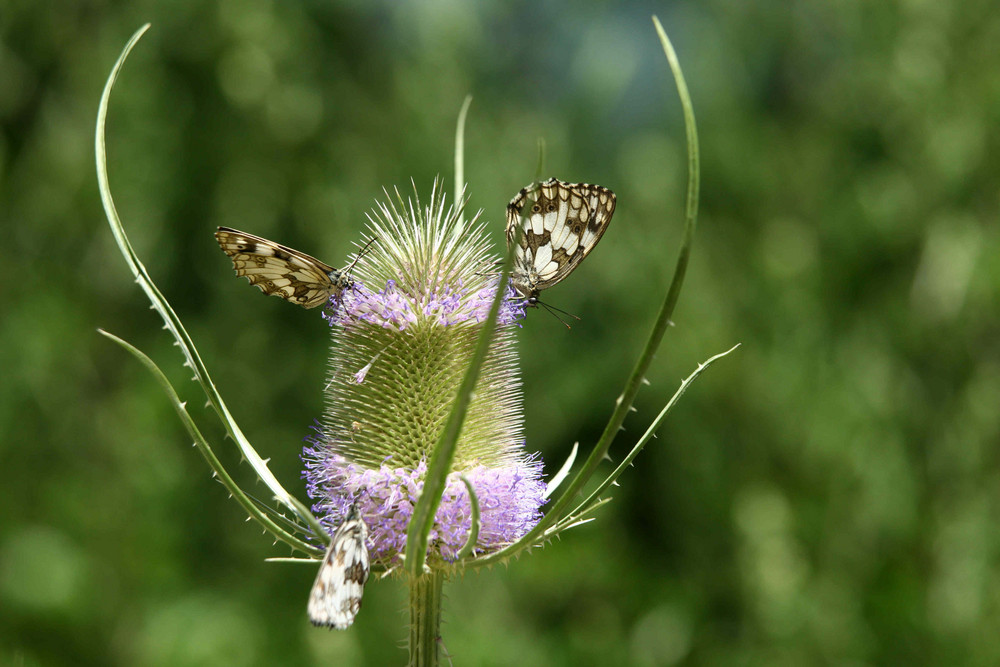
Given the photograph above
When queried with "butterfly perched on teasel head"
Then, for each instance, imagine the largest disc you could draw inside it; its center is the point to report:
(335, 598)
(282, 271)
(562, 223)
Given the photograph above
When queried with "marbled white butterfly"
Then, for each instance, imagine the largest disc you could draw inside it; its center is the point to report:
(280, 270)
(336, 594)
(562, 224)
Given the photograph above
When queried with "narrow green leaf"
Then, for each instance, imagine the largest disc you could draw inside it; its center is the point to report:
(647, 436)
(202, 444)
(470, 543)
(558, 478)
(460, 148)
(593, 501)
(172, 322)
(635, 380)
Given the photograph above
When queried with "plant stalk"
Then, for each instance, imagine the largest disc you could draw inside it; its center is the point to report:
(425, 619)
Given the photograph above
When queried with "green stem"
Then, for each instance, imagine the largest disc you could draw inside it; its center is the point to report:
(425, 619)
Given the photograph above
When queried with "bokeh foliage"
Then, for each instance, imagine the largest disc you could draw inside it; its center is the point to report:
(828, 494)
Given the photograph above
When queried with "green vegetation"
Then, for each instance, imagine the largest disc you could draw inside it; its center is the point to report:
(828, 494)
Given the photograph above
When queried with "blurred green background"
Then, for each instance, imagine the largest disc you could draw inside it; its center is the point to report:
(826, 495)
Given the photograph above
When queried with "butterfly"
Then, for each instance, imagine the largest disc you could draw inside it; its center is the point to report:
(335, 598)
(282, 271)
(562, 224)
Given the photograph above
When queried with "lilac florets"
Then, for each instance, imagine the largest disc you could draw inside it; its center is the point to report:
(509, 498)
(399, 309)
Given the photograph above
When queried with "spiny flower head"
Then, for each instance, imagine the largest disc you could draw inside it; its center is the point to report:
(403, 337)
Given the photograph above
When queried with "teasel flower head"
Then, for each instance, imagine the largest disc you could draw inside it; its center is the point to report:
(403, 337)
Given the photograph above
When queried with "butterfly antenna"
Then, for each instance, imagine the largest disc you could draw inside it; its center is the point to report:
(361, 253)
(553, 310)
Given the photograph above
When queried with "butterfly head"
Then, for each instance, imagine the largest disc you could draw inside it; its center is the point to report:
(341, 279)
(524, 285)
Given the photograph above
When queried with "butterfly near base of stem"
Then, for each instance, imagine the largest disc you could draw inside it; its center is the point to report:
(335, 598)
(561, 223)
(282, 271)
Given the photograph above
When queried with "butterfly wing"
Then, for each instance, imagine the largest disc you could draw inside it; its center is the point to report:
(281, 271)
(562, 223)
(335, 598)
